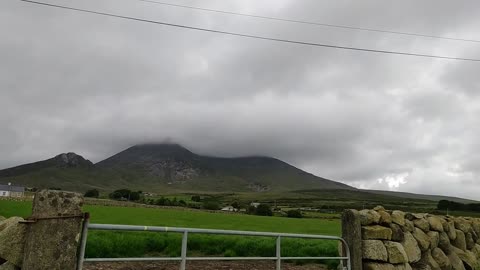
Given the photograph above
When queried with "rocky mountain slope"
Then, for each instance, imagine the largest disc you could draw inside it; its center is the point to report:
(166, 166)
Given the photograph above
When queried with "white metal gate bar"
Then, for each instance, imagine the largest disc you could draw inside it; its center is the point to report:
(186, 231)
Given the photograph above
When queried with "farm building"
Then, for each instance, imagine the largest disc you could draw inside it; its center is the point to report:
(255, 204)
(11, 191)
(229, 209)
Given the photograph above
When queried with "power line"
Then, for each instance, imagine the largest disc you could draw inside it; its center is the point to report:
(309, 22)
(251, 36)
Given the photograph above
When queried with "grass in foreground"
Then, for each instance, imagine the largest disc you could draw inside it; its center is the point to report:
(139, 244)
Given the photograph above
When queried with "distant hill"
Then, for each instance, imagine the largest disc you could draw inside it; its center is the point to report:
(171, 168)
(161, 167)
(62, 161)
(420, 196)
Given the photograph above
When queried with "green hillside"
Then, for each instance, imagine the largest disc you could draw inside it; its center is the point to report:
(167, 168)
(172, 169)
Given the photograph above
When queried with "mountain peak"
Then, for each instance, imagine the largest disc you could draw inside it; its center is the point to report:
(71, 160)
(147, 154)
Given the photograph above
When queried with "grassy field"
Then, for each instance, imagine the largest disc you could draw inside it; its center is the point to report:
(191, 219)
(133, 244)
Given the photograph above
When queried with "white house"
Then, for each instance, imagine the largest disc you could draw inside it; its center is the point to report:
(255, 204)
(11, 191)
(229, 209)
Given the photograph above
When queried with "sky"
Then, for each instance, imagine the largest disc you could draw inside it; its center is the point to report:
(95, 85)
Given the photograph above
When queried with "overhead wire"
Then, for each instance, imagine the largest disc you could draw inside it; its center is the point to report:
(249, 36)
(308, 22)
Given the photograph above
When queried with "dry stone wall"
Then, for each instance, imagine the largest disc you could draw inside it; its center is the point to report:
(395, 240)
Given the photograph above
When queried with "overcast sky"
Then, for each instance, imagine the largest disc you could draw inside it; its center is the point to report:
(95, 85)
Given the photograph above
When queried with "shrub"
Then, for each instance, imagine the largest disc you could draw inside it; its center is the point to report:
(263, 210)
(124, 194)
(211, 205)
(92, 193)
(294, 214)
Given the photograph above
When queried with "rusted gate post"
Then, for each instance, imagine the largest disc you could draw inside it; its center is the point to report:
(54, 229)
(352, 233)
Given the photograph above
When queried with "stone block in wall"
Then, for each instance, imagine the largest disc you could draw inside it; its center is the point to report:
(445, 226)
(427, 260)
(408, 227)
(404, 266)
(431, 261)
(434, 238)
(374, 250)
(385, 218)
(476, 227)
(444, 243)
(397, 232)
(376, 232)
(475, 236)
(413, 216)
(469, 240)
(396, 252)
(411, 247)
(378, 266)
(468, 258)
(462, 225)
(12, 240)
(8, 266)
(452, 232)
(422, 239)
(435, 223)
(455, 261)
(476, 250)
(460, 241)
(368, 217)
(422, 224)
(442, 260)
(398, 217)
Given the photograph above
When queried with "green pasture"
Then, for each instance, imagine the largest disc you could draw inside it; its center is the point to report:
(133, 244)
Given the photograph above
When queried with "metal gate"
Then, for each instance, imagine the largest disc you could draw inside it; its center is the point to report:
(186, 231)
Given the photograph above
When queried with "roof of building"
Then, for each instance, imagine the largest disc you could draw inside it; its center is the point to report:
(12, 188)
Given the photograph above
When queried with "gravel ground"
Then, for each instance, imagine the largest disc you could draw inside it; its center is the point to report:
(199, 266)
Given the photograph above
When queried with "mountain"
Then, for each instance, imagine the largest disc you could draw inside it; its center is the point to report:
(177, 167)
(167, 167)
(66, 160)
(64, 171)
(171, 168)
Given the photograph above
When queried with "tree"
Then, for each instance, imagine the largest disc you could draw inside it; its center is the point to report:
(263, 210)
(236, 205)
(92, 193)
(134, 196)
(294, 214)
(211, 205)
(124, 194)
(251, 210)
(196, 198)
(182, 203)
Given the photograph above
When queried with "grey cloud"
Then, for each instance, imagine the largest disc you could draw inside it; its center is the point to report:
(95, 85)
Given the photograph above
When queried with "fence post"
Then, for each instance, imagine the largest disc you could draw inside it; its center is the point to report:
(279, 253)
(352, 234)
(183, 263)
(54, 230)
